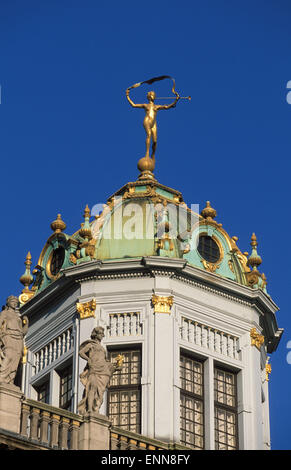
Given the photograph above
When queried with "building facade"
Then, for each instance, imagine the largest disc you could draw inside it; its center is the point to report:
(177, 298)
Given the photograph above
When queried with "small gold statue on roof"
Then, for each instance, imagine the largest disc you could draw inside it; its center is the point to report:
(147, 164)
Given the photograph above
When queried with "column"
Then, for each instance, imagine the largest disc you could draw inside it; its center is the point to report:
(164, 367)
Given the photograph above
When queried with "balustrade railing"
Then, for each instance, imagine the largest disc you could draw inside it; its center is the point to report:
(209, 338)
(50, 426)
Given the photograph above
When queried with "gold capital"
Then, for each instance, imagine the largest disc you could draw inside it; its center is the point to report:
(162, 304)
(87, 309)
(256, 338)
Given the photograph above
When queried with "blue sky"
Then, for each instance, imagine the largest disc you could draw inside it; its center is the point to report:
(69, 138)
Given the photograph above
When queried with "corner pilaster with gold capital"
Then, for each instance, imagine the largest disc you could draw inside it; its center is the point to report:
(86, 309)
(162, 304)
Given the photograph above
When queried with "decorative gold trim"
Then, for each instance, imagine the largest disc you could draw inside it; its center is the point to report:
(87, 309)
(24, 356)
(162, 304)
(25, 297)
(211, 267)
(256, 338)
(268, 369)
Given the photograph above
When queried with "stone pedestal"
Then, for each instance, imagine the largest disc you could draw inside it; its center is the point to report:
(10, 407)
(94, 432)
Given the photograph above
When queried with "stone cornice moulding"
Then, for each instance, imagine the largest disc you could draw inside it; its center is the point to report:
(179, 269)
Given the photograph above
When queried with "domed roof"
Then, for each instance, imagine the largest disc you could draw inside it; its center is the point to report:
(145, 218)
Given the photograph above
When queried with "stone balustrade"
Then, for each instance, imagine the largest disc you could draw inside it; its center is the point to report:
(28, 424)
(120, 439)
(50, 426)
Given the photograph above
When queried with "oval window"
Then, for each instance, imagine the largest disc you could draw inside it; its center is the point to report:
(208, 249)
(57, 260)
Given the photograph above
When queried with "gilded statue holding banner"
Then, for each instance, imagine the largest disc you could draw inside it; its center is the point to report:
(147, 163)
(97, 373)
(12, 331)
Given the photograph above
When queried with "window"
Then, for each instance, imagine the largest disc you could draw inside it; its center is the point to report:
(208, 249)
(191, 403)
(225, 405)
(57, 260)
(66, 388)
(124, 392)
(43, 392)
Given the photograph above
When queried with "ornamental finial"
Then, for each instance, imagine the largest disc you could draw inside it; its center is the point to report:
(26, 279)
(58, 225)
(208, 212)
(85, 230)
(254, 260)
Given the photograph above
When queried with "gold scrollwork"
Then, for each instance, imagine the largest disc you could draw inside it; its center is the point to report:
(211, 267)
(87, 309)
(256, 338)
(162, 304)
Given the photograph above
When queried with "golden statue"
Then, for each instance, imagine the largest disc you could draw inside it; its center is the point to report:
(150, 122)
(147, 163)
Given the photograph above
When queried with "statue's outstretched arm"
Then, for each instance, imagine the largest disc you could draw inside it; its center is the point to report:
(134, 105)
(168, 106)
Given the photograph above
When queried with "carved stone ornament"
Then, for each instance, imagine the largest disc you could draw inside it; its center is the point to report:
(256, 338)
(162, 304)
(86, 309)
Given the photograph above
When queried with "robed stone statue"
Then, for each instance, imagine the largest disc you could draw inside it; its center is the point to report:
(12, 331)
(97, 373)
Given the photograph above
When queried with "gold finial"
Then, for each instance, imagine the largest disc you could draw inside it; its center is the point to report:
(254, 260)
(85, 230)
(208, 212)
(87, 212)
(58, 225)
(26, 279)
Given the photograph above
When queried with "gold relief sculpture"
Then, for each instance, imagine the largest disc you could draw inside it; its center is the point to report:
(256, 338)
(86, 309)
(211, 267)
(162, 304)
(120, 360)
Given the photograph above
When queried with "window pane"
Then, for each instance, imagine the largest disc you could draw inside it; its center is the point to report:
(124, 394)
(191, 403)
(66, 388)
(225, 410)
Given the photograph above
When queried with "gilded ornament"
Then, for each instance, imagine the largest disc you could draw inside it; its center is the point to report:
(58, 225)
(211, 267)
(268, 370)
(256, 338)
(26, 279)
(162, 304)
(86, 309)
(146, 164)
(208, 212)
